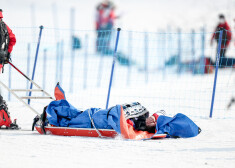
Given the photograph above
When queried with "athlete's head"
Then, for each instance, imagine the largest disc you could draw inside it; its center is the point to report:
(221, 18)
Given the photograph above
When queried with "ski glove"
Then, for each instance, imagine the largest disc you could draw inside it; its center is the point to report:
(8, 58)
(4, 57)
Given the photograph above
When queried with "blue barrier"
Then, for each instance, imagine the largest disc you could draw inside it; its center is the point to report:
(113, 65)
(216, 71)
(35, 61)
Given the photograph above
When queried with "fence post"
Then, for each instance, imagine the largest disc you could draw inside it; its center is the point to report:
(100, 47)
(146, 57)
(179, 51)
(85, 62)
(164, 54)
(35, 61)
(202, 58)
(129, 57)
(28, 65)
(216, 71)
(9, 84)
(57, 62)
(72, 19)
(169, 46)
(61, 61)
(44, 69)
(100, 70)
(193, 51)
(112, 70)
(193, 44)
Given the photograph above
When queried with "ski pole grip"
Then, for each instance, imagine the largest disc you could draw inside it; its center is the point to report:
(118, 29)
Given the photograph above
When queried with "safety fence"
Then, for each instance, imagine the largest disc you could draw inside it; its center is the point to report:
(176, 72)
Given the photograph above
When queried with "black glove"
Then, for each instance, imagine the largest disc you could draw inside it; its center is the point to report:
(2, 56)
(7, 58)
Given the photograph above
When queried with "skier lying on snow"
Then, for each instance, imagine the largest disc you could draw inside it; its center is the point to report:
(132, 121)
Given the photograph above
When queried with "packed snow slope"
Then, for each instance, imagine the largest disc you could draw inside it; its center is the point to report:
(214, 147)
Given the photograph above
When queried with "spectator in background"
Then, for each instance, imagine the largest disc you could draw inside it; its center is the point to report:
(226, 38)
(105, 17)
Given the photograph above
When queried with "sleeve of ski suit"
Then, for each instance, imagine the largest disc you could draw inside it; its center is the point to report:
(12, 39)
(155, 116)
(213, 35)
(228, 34)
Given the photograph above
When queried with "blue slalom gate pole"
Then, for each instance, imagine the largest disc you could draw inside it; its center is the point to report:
(114, 60)
(216, 71)
(35, 61)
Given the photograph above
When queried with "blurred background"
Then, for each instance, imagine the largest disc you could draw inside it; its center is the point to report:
(166, 55)
(139, 15)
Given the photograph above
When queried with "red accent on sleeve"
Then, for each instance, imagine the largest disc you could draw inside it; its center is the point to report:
(12, 40)
(156, 116)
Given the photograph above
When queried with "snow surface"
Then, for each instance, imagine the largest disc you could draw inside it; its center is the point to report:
(214, 147)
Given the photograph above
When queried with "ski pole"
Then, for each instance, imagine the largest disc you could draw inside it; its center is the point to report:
(19, 71)
(114, 60)
(30, 80)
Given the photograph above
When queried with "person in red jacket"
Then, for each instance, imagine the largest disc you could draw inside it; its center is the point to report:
(226, 38)
(7, 40)
(105, 17)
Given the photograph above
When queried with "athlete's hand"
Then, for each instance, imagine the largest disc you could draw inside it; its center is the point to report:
(151, 122)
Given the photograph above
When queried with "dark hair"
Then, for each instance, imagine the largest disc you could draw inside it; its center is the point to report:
(221, 16)
(0, 10)
(140, 122)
